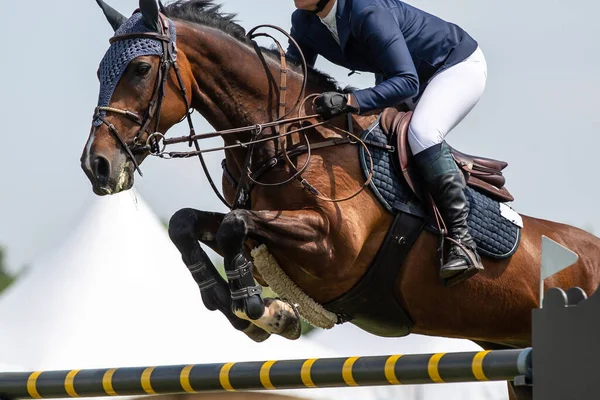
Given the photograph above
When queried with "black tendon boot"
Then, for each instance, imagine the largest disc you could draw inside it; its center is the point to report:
(446, 183)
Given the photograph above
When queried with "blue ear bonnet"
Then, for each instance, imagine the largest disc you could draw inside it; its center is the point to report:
(122, 52)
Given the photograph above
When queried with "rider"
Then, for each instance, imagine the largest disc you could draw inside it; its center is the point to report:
(433, 66)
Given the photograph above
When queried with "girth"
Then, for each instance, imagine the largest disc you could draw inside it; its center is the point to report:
(371, 304)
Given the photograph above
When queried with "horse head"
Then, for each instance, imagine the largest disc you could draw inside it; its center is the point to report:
(164, 62)
(142, 94)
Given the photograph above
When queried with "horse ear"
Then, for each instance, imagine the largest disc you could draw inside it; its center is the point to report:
(115, 18)
(163, 9)
(149, 10)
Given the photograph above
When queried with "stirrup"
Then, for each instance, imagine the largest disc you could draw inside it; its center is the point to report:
(446, 273)
(473, 267)
(471, 254)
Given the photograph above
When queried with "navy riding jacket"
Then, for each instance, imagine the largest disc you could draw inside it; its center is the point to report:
(404, 46)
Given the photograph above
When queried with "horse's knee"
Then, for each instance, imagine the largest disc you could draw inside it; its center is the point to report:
(232, 232)
(181, 225)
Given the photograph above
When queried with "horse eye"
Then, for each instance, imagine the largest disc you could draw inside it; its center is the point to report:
(143, 69)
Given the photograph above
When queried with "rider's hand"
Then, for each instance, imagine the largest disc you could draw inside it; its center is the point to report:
(332, 104)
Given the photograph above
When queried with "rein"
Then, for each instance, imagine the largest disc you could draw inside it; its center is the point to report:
(150, 143)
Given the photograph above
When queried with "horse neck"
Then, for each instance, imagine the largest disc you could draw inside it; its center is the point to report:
(233, 86)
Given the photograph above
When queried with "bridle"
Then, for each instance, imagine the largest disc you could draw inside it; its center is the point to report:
(147, 141)
(167, 60)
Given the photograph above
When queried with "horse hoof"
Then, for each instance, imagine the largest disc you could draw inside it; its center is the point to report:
(286, 319)
(253, 307)
(257, 334)
(292, 327)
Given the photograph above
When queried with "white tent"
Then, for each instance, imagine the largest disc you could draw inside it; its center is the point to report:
(349, 338)
(117, 294)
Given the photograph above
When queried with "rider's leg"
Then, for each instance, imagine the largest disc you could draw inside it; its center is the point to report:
(448, 98)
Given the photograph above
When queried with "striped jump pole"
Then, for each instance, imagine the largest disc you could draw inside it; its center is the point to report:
(501, 365)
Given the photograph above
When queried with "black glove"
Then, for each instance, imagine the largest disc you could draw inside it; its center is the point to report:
(332, 104)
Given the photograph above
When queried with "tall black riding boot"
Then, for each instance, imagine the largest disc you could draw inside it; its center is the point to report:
(446, 183)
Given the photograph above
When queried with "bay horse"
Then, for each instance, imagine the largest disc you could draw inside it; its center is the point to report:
(208, 63)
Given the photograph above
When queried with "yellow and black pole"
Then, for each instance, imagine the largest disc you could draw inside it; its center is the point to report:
(502, 365)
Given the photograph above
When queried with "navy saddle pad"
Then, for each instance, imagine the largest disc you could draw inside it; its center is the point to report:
(495, 226)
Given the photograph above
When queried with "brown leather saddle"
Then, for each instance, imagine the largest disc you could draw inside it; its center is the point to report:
(483, 174)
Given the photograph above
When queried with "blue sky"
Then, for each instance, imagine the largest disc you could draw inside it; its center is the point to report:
(539, 111)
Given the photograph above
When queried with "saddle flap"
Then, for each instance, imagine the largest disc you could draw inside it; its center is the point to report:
(502, 195)
(386, 119)
(476, 161)
(394, 124)
(485, 169)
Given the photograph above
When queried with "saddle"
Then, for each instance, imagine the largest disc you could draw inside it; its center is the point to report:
(481, 173)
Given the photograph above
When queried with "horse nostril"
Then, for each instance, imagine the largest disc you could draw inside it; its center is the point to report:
(101, 170)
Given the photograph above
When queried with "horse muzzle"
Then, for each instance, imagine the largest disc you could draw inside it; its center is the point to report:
(108, 176)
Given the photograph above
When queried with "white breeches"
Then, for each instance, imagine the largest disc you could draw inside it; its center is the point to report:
(448, 98)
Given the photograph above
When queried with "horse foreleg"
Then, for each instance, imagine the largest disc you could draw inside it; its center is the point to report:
(270, 227)
(186, 228)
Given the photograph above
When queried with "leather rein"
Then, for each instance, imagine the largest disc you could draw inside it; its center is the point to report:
(147, 141)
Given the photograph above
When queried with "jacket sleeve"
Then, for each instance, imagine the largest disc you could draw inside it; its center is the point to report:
(378, 31)
(292, 51)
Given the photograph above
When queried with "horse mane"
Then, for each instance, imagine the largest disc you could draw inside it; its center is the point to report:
(207, 13)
